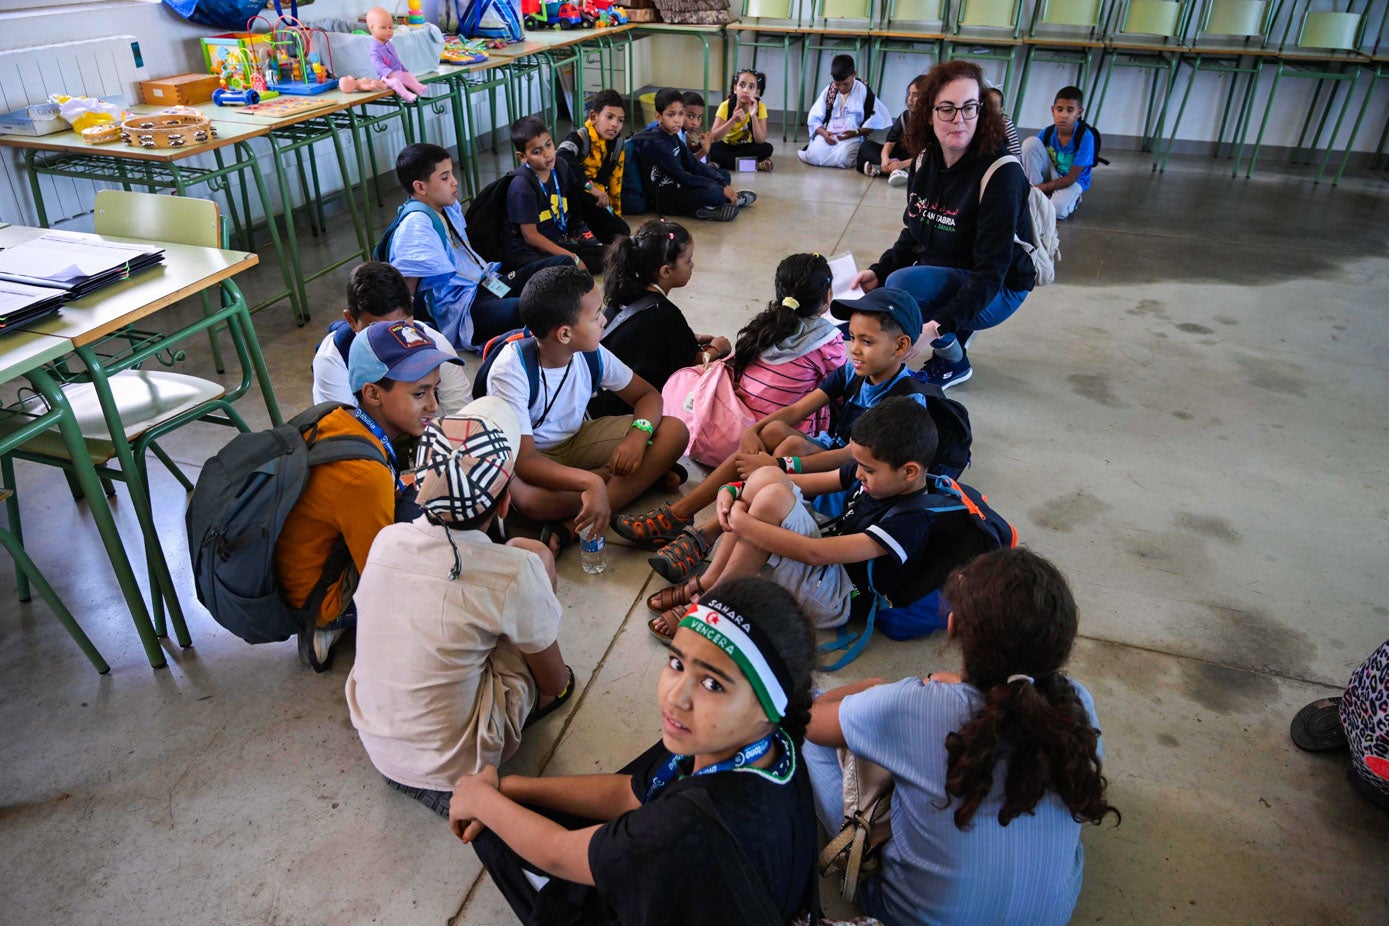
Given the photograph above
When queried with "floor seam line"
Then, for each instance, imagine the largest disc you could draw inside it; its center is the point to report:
(1210, 662)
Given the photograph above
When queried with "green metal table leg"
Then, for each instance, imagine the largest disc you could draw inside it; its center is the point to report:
(101, 513)
(29, 155)
(27, 568)
(1336, 129)
(21, 577)
(1259, 139)
(288, 268)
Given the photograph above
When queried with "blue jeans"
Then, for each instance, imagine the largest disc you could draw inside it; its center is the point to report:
(932, 286)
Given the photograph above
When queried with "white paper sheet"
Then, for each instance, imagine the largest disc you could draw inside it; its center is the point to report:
(843, 270)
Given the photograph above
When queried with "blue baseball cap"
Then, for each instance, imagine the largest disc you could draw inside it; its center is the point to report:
(398, 350)
(889, 300)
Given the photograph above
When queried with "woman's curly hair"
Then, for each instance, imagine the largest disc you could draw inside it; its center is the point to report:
(1014, 615)
(990, 135)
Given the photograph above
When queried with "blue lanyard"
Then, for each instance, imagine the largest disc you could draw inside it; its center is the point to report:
(380, 434)
(741, 762)
(561, 220)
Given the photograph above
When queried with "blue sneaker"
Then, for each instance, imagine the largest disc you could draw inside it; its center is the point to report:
(941, 372)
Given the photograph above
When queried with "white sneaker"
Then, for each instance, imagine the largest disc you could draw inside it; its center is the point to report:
(897, 178)
(315, 651)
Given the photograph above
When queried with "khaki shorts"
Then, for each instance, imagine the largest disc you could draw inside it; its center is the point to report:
(592, 446)
(823, 592)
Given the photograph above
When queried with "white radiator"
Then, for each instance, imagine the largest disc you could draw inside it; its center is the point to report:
(98, 67)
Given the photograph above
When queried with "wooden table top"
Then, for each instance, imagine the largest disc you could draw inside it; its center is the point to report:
(186, 271)
(229, 132)
(330, 102)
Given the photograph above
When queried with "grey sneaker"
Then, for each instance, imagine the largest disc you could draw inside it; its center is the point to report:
(897, 178)
(725, 213)
(746, 198)
(316, 647)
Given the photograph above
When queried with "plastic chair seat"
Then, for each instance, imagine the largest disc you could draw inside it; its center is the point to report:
(988, 14)
(146, 398)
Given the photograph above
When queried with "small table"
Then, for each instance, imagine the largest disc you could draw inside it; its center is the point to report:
(24, 354)
(66, 154)
(186, 271)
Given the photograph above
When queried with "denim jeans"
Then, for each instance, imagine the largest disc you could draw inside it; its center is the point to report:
(932, 286)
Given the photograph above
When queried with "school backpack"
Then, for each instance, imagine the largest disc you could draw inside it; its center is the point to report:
(1049, 138)
(529, 351)
(238, 508)
(953, 433)
(382, 251)
(633, 196)
(486, 218)
(963, 526)
(1045, 246)
(703, 397)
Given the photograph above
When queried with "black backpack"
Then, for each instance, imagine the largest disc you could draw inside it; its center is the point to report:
(237, 511)
(1049, 138)
(953, 433)
(486, 218)
(530, 362)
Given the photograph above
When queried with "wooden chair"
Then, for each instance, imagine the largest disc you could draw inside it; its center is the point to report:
(845, 35)
(1147, 37)
(767, 24)
(908, 27)
(988, 30)
(1065, 32)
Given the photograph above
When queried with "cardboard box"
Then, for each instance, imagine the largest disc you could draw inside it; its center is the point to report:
(179, 90)
(40, 119)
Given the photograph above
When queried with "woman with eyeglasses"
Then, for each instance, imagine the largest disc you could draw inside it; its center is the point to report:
(957, 252)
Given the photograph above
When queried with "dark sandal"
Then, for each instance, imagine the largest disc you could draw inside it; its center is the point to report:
(558, 530)
(653, 529)
(677, 596)
(669, 619)
(677, 560)
(540, 713)
(1317, 727)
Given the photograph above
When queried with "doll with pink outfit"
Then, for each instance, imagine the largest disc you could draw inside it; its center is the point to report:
(385, 60)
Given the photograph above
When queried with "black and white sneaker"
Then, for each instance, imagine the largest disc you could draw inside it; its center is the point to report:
(746, 198)
(724, 213)
(871, 170)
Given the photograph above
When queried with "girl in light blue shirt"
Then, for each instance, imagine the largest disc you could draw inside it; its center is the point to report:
(995, 768)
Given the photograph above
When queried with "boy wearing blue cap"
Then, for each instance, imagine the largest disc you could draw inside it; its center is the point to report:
(393, 370)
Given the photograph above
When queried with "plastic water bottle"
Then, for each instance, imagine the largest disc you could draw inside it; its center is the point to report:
(594, 555)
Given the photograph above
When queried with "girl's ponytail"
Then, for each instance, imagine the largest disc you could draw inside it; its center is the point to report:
(632, 263)
(801, 283)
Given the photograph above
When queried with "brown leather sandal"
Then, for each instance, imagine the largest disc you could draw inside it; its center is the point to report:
(677, 596)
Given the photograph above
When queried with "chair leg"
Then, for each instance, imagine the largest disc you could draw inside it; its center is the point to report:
(1268, 110)
(1336, 130)
(21, 578)
(1160, 164)
(26, 568)
(217, 361)
(171, 466)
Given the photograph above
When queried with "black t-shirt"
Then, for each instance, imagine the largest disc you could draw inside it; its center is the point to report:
(659, 864)
(904, 537)
(554, 214)
(655, 342)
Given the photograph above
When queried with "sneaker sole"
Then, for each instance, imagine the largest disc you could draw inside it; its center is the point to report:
(952, 383)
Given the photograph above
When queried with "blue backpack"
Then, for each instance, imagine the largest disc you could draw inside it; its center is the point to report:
(963, 526)
(633, 196)
(529, 350)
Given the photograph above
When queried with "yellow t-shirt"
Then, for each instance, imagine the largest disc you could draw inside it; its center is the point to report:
(741, 132)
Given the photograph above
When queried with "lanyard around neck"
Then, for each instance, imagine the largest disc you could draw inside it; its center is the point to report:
(380, 434)
(742, 761)
(561, 219)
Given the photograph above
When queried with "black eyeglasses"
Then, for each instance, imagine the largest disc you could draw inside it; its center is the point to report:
(946, 111)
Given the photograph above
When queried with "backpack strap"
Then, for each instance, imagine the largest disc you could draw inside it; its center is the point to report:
(645, 301)
(342, 337)
(1049, 135)
(988, 174)
(852, 641)
(382, 251)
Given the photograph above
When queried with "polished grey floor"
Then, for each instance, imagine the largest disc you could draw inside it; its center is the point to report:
(1191, 423)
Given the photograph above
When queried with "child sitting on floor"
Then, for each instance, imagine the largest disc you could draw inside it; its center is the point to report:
(457, 647)
(740, 124)
(572, 472)
(645, 330)
(674, 182)
(594, 153)
(844, 114)
(543, 214)
(997, 765)
(713, 824)
(893, 157)
(1058, 159)
(376, 292)
(882, 329)
(1011, 130)
(694, 135)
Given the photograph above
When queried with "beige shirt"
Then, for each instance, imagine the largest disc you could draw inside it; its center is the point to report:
(440, 686)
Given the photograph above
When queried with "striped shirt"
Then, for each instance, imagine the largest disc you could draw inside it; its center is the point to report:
(769, 387)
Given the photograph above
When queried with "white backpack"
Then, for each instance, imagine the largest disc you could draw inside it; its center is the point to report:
(1045, 246)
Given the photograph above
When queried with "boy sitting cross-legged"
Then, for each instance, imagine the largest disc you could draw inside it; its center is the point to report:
(882, 326)
(544, 217)
(593, 152)
(572, 472)
(769, 531)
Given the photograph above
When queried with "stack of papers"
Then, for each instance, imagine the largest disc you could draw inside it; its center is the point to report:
(22, 304)
(74, 264)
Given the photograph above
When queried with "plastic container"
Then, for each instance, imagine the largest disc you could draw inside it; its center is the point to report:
(593, 554)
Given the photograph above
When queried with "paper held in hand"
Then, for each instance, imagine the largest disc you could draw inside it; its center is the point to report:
(842, 271)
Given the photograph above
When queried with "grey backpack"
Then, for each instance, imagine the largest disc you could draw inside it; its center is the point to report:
(238, 508)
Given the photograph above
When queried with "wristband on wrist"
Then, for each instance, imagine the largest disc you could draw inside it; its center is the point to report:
(790, 464)
(641, 424)
(734, 488)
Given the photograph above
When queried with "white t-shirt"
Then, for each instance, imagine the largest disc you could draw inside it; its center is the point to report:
(564, 391)
(330, 382)
(440, 685)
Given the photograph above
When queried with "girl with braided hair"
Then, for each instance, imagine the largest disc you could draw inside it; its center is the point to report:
(995, 767)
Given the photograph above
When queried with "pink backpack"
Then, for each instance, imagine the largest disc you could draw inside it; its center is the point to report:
(704, 399)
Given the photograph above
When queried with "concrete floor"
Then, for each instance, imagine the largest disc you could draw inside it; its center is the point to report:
(1191, 424)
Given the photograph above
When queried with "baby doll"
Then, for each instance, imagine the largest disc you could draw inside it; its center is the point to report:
(361, 84)
(386, 61)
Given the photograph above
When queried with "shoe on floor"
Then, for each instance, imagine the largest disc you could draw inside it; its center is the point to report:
(1317, 727)
(897, 178)
(316, 647)
(746, 198)
(725, 213)
(871, 170)
(941, 372)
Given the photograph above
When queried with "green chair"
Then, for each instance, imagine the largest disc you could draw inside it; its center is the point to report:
(1148, 38)
(1231, 39)
(849, 33)
(150, 403)
(1064, 32)
(988, 30)
(767, 24)
(1326, 50)
(908, 27)
(1378, 66)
